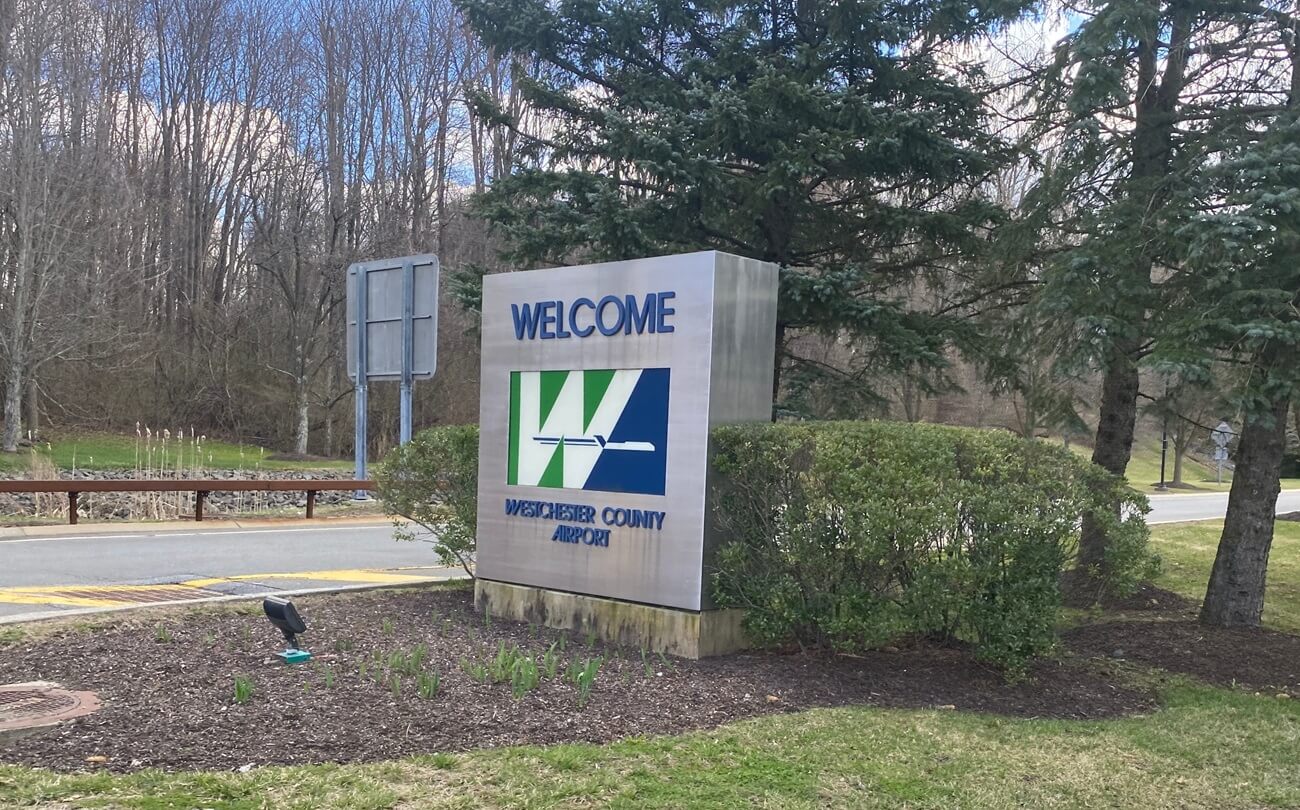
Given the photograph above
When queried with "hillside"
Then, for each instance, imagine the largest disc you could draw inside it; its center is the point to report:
(151, 454)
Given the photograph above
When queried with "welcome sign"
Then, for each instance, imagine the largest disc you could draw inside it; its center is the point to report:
(599, 385)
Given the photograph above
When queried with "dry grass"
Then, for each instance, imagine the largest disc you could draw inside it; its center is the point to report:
(149, 453)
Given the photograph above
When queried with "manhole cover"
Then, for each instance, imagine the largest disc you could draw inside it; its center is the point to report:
(39, 704)
(240, 588)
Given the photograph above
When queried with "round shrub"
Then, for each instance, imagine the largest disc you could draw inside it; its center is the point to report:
(852, 535)
(432, 481)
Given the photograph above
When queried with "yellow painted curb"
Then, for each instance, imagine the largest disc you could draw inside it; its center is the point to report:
(362, 575)
(73, 595)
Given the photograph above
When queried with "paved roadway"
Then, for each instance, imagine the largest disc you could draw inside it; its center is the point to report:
(101, 567)
(1207, 506)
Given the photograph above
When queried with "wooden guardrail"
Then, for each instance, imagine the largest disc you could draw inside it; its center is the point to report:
(201, 487)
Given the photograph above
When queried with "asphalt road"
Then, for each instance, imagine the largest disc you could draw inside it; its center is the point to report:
(103, 568)
(1209, 506)
(103, 558)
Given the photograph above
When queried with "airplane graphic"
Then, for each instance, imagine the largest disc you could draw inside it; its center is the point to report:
(592, 441)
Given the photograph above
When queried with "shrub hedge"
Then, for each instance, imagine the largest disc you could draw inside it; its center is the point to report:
(852, 535)
(856, 534)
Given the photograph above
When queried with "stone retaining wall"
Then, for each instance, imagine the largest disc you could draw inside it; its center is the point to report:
(168, 505)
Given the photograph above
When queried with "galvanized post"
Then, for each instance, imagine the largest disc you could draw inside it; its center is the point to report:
(361, 385)
(408, 350)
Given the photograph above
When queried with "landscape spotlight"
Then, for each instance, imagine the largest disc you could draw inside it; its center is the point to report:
(285, 616)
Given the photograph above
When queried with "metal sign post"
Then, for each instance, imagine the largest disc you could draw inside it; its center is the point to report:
(408, 351)
(362, 377)
(1221, 435)
(392, 321)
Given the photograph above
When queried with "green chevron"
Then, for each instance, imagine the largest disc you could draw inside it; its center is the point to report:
(512, 464)
(554, 475)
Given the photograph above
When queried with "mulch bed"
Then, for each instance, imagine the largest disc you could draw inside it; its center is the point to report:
(1146, 597)
(169, 694)
(1257, 659)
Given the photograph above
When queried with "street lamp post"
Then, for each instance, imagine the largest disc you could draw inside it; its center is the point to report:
(1164, 448)
(1164, 441)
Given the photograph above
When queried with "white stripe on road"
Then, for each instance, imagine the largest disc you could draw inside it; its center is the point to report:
(6, 540)
(362, 527)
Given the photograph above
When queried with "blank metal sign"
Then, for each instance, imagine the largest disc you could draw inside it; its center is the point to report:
(389, 293)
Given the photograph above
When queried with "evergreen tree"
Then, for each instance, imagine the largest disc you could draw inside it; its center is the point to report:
(1235, 297)
(1142, 95)
(842, 140)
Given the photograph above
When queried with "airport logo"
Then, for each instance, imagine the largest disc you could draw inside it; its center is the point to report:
(596, 429)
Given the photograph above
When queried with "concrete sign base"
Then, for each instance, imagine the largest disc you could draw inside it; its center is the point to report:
(683, 633)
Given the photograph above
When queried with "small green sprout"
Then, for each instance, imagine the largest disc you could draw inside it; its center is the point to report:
(243, 689)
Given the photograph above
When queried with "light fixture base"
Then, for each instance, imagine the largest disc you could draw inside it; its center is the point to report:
(293, 656)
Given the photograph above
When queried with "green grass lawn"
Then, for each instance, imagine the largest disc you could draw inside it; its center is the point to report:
(1207, 748)
(1144, 470)
(107, 451)
(1187, 551)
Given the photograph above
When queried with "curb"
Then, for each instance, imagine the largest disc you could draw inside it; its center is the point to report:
(52, 615)
(1203, 493)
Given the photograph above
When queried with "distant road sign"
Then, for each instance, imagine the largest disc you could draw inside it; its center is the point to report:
(1222, 434)
(401, 316)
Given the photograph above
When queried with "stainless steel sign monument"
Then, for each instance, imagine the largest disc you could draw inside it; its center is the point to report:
(599, 385)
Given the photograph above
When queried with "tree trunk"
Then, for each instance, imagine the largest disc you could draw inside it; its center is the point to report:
(911, 396)
(1179, 452)
(1152, 140)
(13, 408)
(33, 407)
(777, 359)
(8, 19)
(26, 216)
(1114, 442)
(1027, 418)
(1235, 596)
(1118, 413)
(302, 426)
(330, 380)
(329, 433)
(17, 340)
